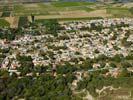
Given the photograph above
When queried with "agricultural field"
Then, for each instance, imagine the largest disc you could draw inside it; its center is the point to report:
(70, 9)
(71, 4)
(119, 12)
(51, 8)
(65, 11)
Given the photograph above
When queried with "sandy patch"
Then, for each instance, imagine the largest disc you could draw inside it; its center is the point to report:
(88, 97)
(13, 21)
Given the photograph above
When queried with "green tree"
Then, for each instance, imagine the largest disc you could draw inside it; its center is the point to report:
(131, 10)
(52, 26)
(124, 73)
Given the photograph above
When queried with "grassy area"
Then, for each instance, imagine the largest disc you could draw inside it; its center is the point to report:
(4, 23)
(71, 4)
(62, 9)
(119, 12)
(18, 8)
(51, 8)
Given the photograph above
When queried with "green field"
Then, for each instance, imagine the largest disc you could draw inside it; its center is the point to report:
(51, 8)
(68, 10)
(4, 23)
(55, 8)
(71, 4)
(119, 12)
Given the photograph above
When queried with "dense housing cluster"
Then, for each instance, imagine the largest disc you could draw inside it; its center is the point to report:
(84, 53)
(75, 41)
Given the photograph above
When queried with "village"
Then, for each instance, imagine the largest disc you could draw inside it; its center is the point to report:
(78, 51)
(77, 40)
(66, 50)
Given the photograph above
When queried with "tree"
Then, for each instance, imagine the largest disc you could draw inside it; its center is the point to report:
(4, 73)
(32, 18)
(113, 65)
(26, 63)
(118, 58)
(86, 65)
(40, 69)
(24, 58)
(125, 64)
(124, 73)
(131, 10)
(52, 26)
(70, 77)
(66, 69)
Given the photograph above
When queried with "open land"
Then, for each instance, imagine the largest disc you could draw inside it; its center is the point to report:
(66, 11)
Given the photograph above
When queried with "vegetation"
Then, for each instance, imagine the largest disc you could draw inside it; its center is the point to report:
(45, 86)
(98, 82)
(71, 4)
(56, 8)
(23, 21)
(131, 10)
(5, 14)
(40, 87)
(4, 23)
(32, 82)
(119, 11)
(52, 26)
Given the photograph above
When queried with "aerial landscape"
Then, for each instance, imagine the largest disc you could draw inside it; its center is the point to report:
(66, 49)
